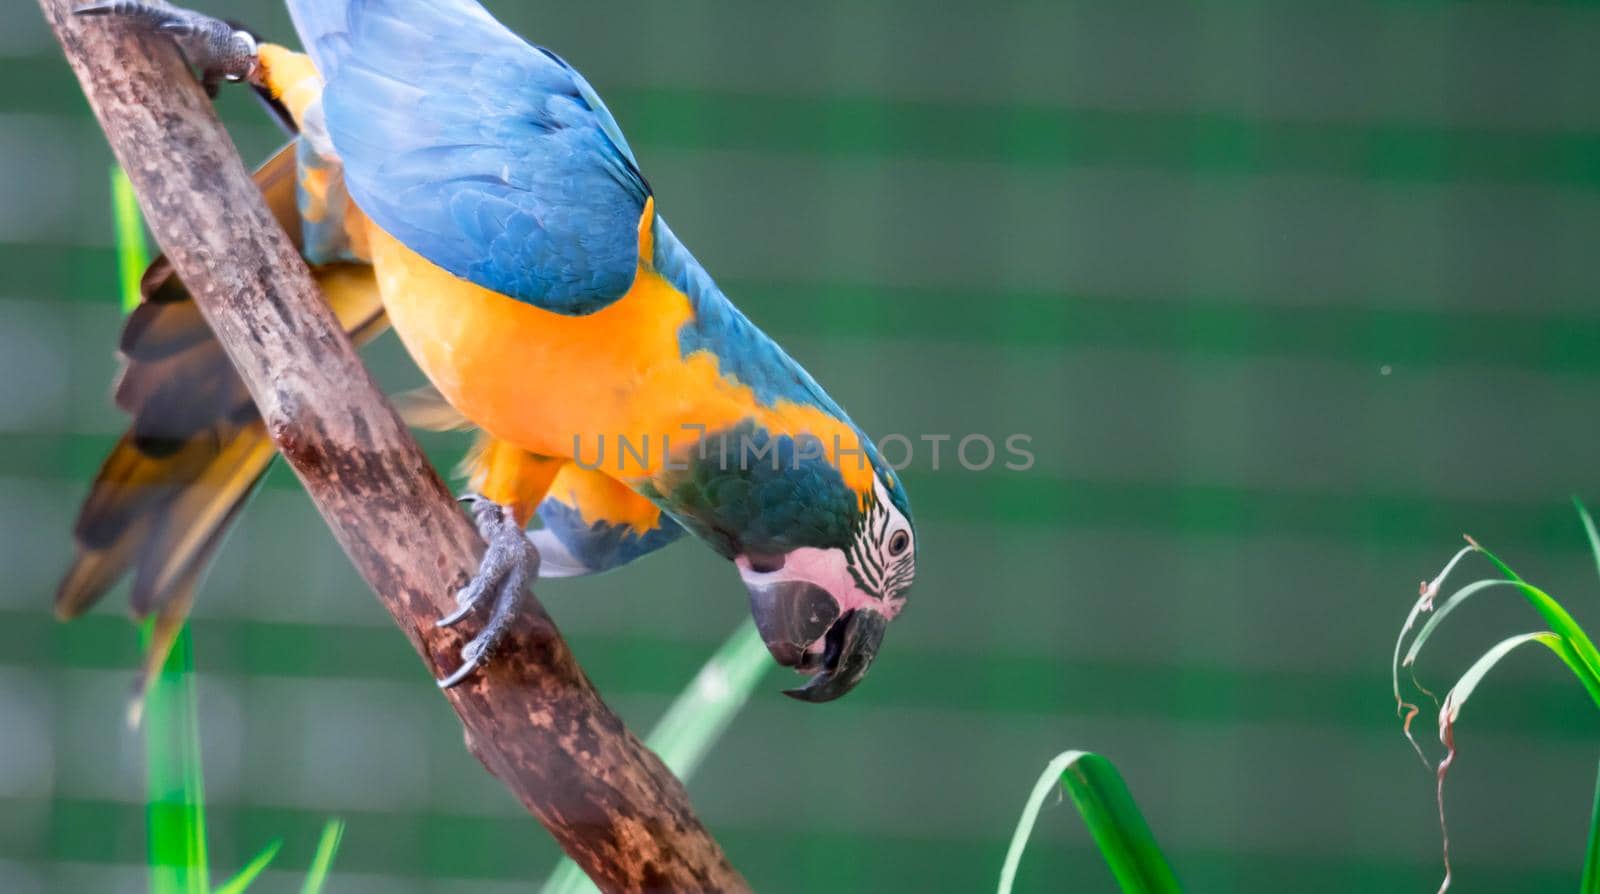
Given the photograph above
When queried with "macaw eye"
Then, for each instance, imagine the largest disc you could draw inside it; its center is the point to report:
(898, 542)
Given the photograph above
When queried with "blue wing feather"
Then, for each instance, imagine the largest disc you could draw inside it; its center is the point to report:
(572, 546)
(488, 156)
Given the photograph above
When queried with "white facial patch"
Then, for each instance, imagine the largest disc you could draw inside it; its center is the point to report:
(824, 567)
(874, 555)
(831, 569)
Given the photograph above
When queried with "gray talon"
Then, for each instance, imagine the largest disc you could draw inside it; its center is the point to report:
(457, 616)
(461, 673)
(218, 49)
(509, 563)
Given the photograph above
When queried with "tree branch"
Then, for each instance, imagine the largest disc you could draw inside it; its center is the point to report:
(531, 716)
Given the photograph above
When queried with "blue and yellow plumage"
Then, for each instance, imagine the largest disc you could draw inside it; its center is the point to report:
(519, 256)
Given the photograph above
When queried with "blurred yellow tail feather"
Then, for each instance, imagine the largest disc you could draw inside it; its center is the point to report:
(167, 494)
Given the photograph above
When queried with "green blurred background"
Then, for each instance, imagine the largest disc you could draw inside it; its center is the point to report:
(1288, 294)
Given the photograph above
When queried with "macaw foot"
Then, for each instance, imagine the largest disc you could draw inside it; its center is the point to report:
(219, 50)
(509, 563)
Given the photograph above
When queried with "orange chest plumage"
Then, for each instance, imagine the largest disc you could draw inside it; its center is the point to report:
(535, 378)
(562, 385)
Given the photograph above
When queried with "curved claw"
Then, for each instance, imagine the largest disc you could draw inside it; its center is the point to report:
(475, 654)
(508, 564)
(461, 673)
(128, 8)
(457, 616)
(215, 47)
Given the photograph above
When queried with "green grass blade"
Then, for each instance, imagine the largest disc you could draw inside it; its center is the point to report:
(175, 786)
(1456, 699)
(1556, 616)
(694, 722)
(247, 876)
(1589, 529)
(1566, 639)
(175, 797)
(1569, 652)
(1114, 820)
(322, 863)
(132, 254)
(702, 713)
(1591, 860)
(1578, 650)
(1407, 711)
(1444, 610)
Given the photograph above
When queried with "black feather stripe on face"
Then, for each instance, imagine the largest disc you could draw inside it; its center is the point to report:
(866, 550)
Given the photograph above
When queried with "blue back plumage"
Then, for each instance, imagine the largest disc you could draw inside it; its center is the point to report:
(742, 349)
(498, 162)
(750, 355)
(488, 156)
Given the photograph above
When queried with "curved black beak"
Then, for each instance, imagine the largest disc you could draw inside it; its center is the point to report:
(791, 615)
(852, 644)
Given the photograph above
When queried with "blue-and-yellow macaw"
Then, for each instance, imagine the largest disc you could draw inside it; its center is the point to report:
(472, 190)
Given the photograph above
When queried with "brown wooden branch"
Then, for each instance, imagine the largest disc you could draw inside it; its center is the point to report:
(532, 717)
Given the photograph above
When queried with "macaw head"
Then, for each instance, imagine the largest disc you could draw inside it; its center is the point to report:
(822, 608)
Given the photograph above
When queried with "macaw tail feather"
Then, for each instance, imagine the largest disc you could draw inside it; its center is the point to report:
(172, 486)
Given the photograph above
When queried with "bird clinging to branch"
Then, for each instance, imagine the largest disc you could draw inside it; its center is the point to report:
(472, 190)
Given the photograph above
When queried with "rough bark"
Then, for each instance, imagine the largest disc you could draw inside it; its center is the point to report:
(532, 717)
